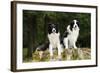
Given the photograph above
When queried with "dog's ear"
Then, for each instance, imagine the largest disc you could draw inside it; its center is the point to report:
(49, 28)
(78, 23)
(57, 27)
(71, 25)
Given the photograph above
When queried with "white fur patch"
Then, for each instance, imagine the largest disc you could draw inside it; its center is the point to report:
(54, 39)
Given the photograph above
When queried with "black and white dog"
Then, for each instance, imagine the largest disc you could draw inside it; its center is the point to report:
(71, 35)
(54, 40)
(70, 38)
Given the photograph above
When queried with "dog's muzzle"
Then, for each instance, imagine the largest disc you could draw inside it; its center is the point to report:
(54, 30)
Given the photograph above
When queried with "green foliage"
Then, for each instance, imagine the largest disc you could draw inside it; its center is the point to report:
(35, 27)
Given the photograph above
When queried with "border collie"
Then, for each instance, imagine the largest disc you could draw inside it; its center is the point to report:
(71, 35)
(54, 40)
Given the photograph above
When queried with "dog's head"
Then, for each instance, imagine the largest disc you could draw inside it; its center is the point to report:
(52, 28)
(74, 25)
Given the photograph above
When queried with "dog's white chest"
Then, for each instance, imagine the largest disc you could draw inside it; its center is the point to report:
(74, 35)
(54, 39)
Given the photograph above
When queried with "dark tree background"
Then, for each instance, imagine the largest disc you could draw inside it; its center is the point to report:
(35, 27)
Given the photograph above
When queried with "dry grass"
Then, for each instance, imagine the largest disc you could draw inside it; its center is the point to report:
(73, 54)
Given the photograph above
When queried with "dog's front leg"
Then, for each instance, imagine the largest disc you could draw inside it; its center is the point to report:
(59, 51)
(66, 43)
(74, 45)
(51, 51)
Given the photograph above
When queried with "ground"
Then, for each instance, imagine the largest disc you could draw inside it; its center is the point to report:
(80, 54)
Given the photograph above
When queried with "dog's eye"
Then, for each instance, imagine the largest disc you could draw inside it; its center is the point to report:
(77, 23)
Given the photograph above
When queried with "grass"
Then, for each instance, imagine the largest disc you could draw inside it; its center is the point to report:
(81, 54)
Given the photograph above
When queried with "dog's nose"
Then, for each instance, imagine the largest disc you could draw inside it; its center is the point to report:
(75, 26)
(53, 30)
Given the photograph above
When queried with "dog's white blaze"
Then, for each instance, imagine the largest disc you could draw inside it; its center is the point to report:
(54, 30)
(75, 21)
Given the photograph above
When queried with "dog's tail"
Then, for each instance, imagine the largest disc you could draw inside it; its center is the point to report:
(43, 46)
